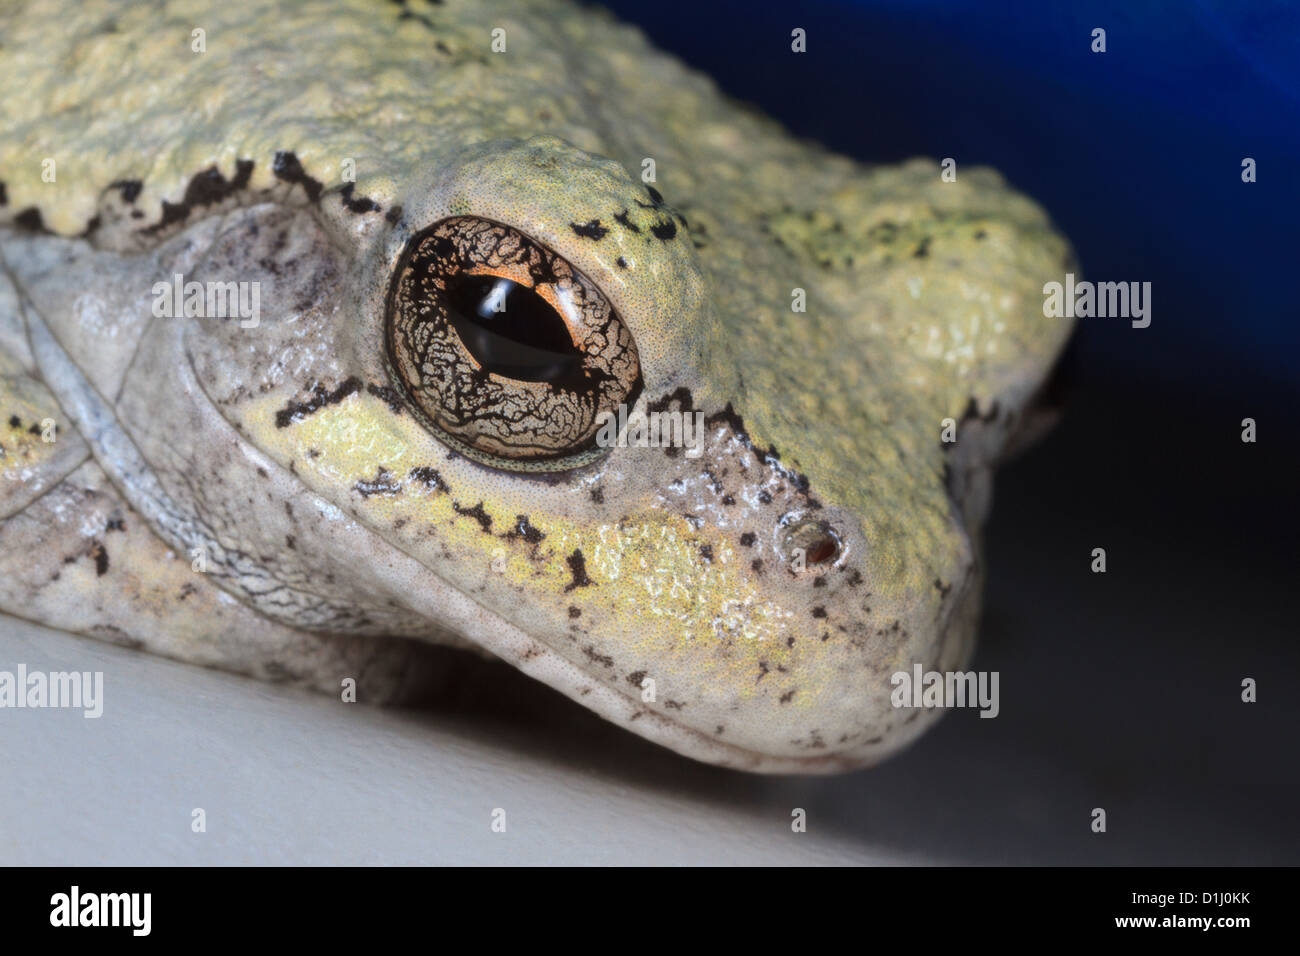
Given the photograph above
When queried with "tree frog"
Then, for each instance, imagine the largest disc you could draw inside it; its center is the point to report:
(333, 330)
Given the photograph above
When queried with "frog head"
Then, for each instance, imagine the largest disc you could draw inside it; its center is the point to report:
(560, 355)
(718, 480)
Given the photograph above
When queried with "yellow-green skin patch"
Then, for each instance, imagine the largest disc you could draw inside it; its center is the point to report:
(923, 303)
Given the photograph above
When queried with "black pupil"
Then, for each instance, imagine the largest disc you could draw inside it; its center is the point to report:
(510, 329)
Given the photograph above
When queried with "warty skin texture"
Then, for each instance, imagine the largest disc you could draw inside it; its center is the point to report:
(335, 528)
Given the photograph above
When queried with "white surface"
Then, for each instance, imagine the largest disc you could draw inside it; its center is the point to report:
(290, 777)
(1143, 726)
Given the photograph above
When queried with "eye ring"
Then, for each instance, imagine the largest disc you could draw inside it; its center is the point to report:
(506, 352)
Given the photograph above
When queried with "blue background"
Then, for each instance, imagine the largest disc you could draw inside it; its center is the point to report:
(1136, 153)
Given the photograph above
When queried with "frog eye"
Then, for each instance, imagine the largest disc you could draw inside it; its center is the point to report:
(508, 354)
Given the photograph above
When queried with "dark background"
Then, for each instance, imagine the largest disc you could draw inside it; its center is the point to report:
(1119, 690)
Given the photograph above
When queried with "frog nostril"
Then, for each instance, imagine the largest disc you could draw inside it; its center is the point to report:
(822, 550)
(810, 543)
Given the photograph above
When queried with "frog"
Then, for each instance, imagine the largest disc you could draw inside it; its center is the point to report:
(477, 233)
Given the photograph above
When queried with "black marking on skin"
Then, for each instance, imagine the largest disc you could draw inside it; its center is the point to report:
(361, 205)
(855, 577)
(747, 539)
(115, 523)
(290, 542)
(663, 231)
(635, 678)
(288, 169)
(388, 395)
(622, 263)
(787, 697)
(204, 189)
(574, 612)
(622, 219)
(523, 529)
(100, 554)
(598, 495)
(729, 417)
(428, 477)
(477, 513)
(295, 412)
(656, 200)
(15, 421)
(728, 500)
(129, 189)
(4, 195)
(578, 568)
(757, 564)
(30, 219)
(590, 230)
(923, 250)
(942, 588)
(674, 704)
(394, 213)
(33, 429)
(595, 658)
(706, 552)
(209, 186)
(382, 484)
(420, 18)
(819, 612)
(762, 670)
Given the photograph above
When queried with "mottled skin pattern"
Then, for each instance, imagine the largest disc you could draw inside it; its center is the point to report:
(334, 525)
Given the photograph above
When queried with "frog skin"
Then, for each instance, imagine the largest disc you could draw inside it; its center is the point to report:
(292, 501)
